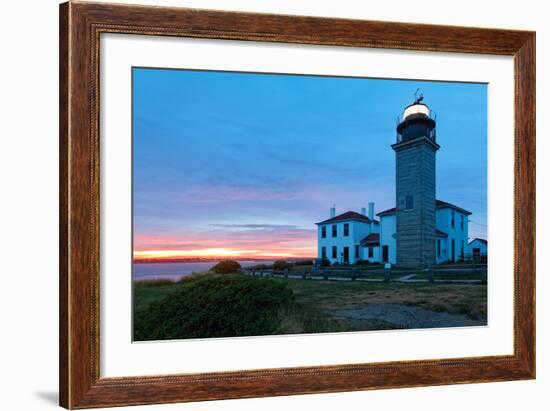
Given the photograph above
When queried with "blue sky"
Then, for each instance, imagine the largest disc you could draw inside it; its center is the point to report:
(247, 162)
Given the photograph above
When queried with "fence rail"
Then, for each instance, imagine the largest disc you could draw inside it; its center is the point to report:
(474, 274)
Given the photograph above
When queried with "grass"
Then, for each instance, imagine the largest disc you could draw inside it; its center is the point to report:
(152, 283)
(227, 305)
(451, 276)
(329, 297)
(311, 306)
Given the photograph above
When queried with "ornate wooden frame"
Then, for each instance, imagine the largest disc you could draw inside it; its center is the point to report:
(80, 27)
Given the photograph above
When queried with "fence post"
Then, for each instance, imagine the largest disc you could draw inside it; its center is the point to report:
(431, 274)
(387, 273)
(286, 272)
(483, 274)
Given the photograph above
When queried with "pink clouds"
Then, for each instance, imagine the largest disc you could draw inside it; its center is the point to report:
(243, 240)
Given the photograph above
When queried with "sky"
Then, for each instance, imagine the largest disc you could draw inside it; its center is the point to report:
(244, 164)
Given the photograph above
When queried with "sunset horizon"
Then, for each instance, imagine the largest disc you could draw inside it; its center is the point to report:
(216, 254)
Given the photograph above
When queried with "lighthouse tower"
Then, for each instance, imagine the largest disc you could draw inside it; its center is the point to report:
(415, 150)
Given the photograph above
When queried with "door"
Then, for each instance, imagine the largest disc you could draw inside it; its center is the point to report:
(385, 253)
(453, 250)
(346, 255)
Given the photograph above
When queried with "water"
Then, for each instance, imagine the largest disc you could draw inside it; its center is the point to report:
(175, 271)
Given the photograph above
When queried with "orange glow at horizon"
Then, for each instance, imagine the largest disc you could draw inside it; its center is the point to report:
(218, 252)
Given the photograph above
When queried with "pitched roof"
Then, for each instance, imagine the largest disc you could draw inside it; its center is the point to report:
(478, 239)
(438, 205)
(349, 215)
(389, 211)
(444, 204)
(372, 239)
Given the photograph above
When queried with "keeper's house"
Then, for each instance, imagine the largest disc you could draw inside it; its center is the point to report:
(351, 236)
(420, 231)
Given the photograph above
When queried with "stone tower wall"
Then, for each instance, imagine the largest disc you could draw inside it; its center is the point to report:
(415, 228)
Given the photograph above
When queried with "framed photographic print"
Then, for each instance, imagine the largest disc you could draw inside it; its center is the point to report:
(258, 205)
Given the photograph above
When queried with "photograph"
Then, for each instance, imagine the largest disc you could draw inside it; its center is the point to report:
(286, 203)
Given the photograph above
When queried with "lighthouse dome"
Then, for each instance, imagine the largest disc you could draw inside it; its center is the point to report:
(417, 120)
(416, 108)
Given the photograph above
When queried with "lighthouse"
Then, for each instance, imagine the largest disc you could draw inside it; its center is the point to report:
(415, 149)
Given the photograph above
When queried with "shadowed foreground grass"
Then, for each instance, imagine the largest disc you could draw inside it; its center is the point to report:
(229, 305)
(213, 305)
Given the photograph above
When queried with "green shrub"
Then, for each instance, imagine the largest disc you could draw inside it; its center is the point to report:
(260, 266)
(216, 306)
(325, 262)
(280, 265)
(303, 263)
(226, 267)
(362, 262)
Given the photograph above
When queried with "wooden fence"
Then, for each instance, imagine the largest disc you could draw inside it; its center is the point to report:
(471, 274)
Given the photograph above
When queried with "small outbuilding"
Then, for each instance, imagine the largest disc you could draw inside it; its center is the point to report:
(477, 249)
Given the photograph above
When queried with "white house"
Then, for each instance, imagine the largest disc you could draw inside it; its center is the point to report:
(351, 236)
(451, 233)
(339, 237)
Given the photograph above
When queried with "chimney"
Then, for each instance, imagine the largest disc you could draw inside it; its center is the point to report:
(371, 211)
(363, 211)
(333, 211)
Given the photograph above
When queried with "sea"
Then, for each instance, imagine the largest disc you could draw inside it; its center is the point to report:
(175, 271)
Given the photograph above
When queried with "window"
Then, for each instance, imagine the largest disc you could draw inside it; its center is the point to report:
(439, 248)
(346, 230)
(453, 250)
(385, 253)
(453, 219)
(324, 231)
(462, 222)
(334, 230)
(371, 252)
(462, 248)
(357, 256)
(334, 252)
(324, 253)
(409, 203)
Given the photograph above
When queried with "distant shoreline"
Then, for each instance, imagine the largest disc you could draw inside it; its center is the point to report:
(214, 260)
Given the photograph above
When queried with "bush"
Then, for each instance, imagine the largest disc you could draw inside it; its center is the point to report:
(216, 306)
(280, 265)
(325, 262)
(260, 267)
(226, 267)
(362, 262)
(303, 263)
